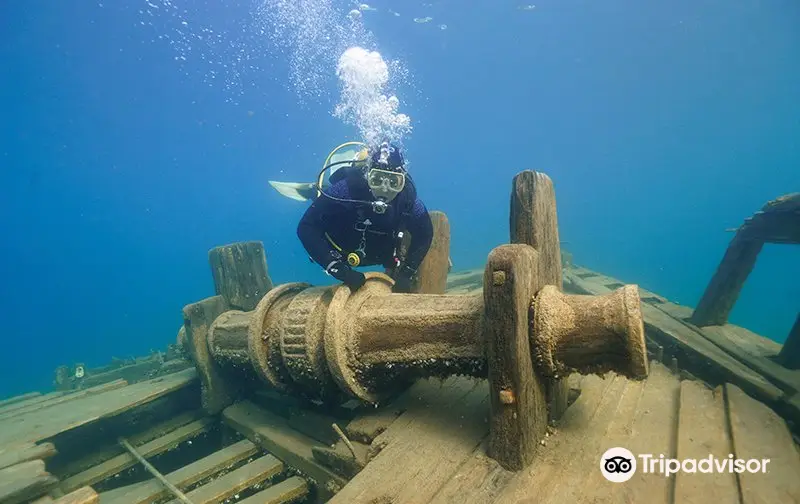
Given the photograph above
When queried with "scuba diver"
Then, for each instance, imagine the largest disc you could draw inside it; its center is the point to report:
(360, 216)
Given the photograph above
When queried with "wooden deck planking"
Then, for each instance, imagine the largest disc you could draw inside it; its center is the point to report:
(703, 431)
(274, 434)
(149, 491)
(225, 487)
(672, 332)
(289, 490)
(23, 453)
(55, 401)
(121, 462)
(759, 433)
(17, 399)
(24, 482)
(44, 424)
(545, 467)
(603, 433)
(425, 446)
(83, 495)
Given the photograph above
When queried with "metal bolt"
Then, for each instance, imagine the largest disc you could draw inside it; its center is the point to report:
(498, 277)
(506, 396)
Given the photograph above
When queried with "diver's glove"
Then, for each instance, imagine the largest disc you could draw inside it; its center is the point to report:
(342, 271)
(402, 280)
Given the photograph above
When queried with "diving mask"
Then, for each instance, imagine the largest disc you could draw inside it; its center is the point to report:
(385, 184)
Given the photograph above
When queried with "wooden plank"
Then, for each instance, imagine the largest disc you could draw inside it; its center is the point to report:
(611, 425)
(558, 446)
(289, 490)
(480, 479)
(424, 449)
(121, 462)
(703, 431)
(759, 433)
(33, 400)
(17, 399)
(110, 451)
(26, 452)
(44, 424)
(654, 430)
(234, 482)
(83, 495)
(788, 380)
(65, 398)
(149, 491)
(274, 434)
(25, 481)
(366, 427)
(671, 332)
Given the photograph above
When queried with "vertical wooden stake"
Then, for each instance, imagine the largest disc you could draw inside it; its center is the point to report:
(432, 274)
(518, 403)
(534, 221)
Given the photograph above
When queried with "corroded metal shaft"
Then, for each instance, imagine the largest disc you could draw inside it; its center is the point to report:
(322, 341)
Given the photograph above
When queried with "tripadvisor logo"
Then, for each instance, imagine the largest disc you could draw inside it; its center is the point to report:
(619, 465)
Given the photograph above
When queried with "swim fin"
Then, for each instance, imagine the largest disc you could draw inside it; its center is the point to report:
(299, 191)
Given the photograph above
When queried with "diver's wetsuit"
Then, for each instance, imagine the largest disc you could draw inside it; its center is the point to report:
(342, 222)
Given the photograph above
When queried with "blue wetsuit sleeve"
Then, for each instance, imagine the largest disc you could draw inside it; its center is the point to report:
(311, 229)
(421, 229)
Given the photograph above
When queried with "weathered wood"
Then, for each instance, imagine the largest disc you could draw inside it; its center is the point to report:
(726, 284)
(28, 451)
(275, 435)
(240, 273)
(341, 459)
(155, 472)
(541, 475)
(224, 487)
(43, 424)
(217, 393)
(109, 451)
(702, 432)
(85, 495)
(479, 480)
(790, 353)
(534, 221)
(125, 460)
(714, 365)
(366, 427)
(423, 448)
(152, 490)
(289, 490)
(63, 398)
(759, 433)
(25, 481)
(5, 412)
(16, 399)
(613, 419)
(518, 401)
(431, 276)
(588, 334)
(787, 380)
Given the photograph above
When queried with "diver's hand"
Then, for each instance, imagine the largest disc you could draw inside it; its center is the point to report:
(342, 271)
(402, 280)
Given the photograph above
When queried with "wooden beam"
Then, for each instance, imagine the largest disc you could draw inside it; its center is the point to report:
(85, 495)
(723, 290)
(790, 353)
(518, 400)
(12, 400)
(240, 273)
(534, 222)
(197, 319)
(432, 274)
(225, 487)
(289, 490)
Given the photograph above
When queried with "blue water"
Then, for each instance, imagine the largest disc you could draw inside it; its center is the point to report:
(662, 124)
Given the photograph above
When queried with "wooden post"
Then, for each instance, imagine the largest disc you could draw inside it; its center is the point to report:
(518, 403)
(197, 319)
(534, 221)
(240, 273)
(723, 289)
(432, 273)
(790, 353)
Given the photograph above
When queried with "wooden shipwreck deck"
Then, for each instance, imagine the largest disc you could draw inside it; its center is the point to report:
(711, 391)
